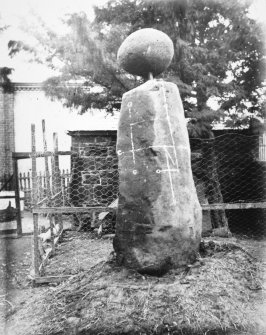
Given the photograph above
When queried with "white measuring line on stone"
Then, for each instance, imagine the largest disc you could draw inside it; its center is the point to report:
(169, 121)
(160, 146)
(170, 175)
(119, 152)
(168, 170)
(173, 142)
(134, 123)
(129, 105)
(167, 154)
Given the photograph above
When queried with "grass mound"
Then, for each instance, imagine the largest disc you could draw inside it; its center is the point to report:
(218, 294)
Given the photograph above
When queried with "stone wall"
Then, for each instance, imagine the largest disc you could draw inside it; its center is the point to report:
(94, 169)
(7, 133)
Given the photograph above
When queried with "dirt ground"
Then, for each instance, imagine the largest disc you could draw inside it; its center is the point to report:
(15, 288)
(15, 265)
(76, 252)
(101, 298)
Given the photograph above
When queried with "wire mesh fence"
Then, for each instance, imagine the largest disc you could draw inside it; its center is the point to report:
(228, 170)
(94, 177)
(91, 184)
(231, 169)
(94, 182)
(85, 199)
(249, 223)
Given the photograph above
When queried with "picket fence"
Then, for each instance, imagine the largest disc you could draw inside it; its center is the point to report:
(25, 180)
(25, 184)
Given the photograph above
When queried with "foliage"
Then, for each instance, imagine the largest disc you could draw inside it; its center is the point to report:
(5, 82)
(212, 39)
(4, 79)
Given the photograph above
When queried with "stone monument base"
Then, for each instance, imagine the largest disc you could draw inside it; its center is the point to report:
(159, 217)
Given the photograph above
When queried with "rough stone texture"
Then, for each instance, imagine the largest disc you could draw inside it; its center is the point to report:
(159, 218)
(146, 50)
(94, 179)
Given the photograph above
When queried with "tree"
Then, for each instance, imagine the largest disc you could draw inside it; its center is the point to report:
(211, 39)
(5, 72)
(5, 82)
(87, 55)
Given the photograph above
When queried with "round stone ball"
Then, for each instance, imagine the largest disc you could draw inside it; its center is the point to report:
(146, 51)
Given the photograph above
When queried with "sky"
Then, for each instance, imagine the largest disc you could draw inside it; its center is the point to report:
(17, 12)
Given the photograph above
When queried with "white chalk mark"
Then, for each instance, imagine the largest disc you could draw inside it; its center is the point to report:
(148, 50)
(129, 105)
(134, 123)
(168, 154)
(166, 170)
(160, 146)
(170, 177)
(169, 121)
(136, 150)
(132, 145)
(120, 152)
(169, 170)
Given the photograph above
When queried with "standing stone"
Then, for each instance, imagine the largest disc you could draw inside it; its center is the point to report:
(159, 216)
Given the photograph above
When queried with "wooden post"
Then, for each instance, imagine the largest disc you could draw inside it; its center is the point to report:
(56, 162)
(17, 196)
(52, 233)
(34, 202)
(53, 177)
(57, 179)
(29, 179)
(48, 184)
(63, 187)
(47, 175)
(24, 181)
(20, 178)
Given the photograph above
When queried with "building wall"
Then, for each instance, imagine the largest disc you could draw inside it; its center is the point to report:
(7, 132)
(94, 168)
(29, 105)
